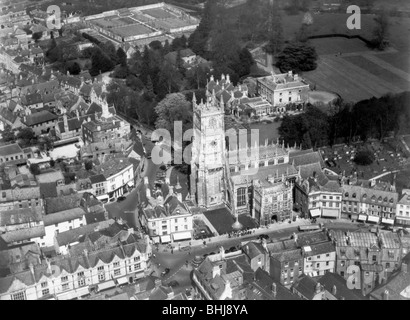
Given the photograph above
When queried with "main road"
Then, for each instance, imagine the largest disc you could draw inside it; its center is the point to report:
(180, 271)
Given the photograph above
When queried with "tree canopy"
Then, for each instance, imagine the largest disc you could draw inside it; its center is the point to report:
(297, 57)
(174, 107)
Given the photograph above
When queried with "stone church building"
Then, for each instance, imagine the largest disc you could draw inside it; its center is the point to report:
(248, 178)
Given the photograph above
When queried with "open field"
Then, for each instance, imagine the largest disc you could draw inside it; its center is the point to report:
(158, 13)
(401, 5)
(364, 63)
(338, 45)
(358, 73)
(133, 30)
(400, 60)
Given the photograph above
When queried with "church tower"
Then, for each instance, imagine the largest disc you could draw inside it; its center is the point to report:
(208, 166)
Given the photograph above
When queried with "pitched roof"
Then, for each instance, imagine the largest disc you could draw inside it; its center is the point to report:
(39, 117)
(62, 203)
(306, 286)
(264, 283)
(97, 178)
(319, 248)
(10, 149)
(8, 115)
(48, 189)
(31, 99)
(62, 216)
(75, 235)
(253, 249)
(304, 157)
(23, 234)
(330, 280)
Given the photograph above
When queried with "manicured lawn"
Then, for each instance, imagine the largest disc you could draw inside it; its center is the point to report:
(400, 60)
(336, 45)
(355, 77)
(267, 131)
(378, 71)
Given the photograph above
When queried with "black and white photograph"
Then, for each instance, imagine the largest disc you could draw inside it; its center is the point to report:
(204, 154)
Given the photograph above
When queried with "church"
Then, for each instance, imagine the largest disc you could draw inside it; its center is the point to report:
(247, 178)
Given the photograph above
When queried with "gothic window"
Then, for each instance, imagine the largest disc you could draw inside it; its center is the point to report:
(281, 160)
(241, 197)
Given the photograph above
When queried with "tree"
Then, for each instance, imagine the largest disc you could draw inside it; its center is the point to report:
(88, 165)
(179, 43)
(108, 49)
(174, 107)
(74, 68)
(155, 45)
(45, 143)
(121, 57)
(100, 62)
(198, 40)
(364, 158)
(117, 94)
(170, 78)
(245, 63)
(297, 57)
(150, 86)
(179, 63)
(167, 48)
(35, 169)
(37, 36)
(120, 72)
(275, 31)
(381, 30)
(8, 135)
(134, 83)
(26, 134)
(54, 53)
(197, 76)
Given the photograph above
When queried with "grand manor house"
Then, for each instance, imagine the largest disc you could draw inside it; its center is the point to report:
(246, 177)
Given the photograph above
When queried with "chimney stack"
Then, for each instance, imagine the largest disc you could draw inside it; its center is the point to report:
(334, 290)
(32, 270)
(386, 295)
(274, 289)
(404, 267)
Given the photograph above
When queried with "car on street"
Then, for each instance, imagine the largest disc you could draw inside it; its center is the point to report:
(112, 200)
(121, 198)
(263, 236)
(165, 272)
(173, 284)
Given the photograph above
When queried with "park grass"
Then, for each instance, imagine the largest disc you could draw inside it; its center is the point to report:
(400, 60)
(338, 45)
(354, 77)
(378, 71)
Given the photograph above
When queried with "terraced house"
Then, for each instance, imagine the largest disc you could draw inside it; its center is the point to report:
(366, 259)
(371, 205)
(74, 276)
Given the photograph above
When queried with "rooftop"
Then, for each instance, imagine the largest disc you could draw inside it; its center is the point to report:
(10, 149)
(39, 117)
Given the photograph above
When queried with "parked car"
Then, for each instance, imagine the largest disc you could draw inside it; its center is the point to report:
(112, 199)
(173, 284)
(121, 198)
(263, 236)
(165, 272)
